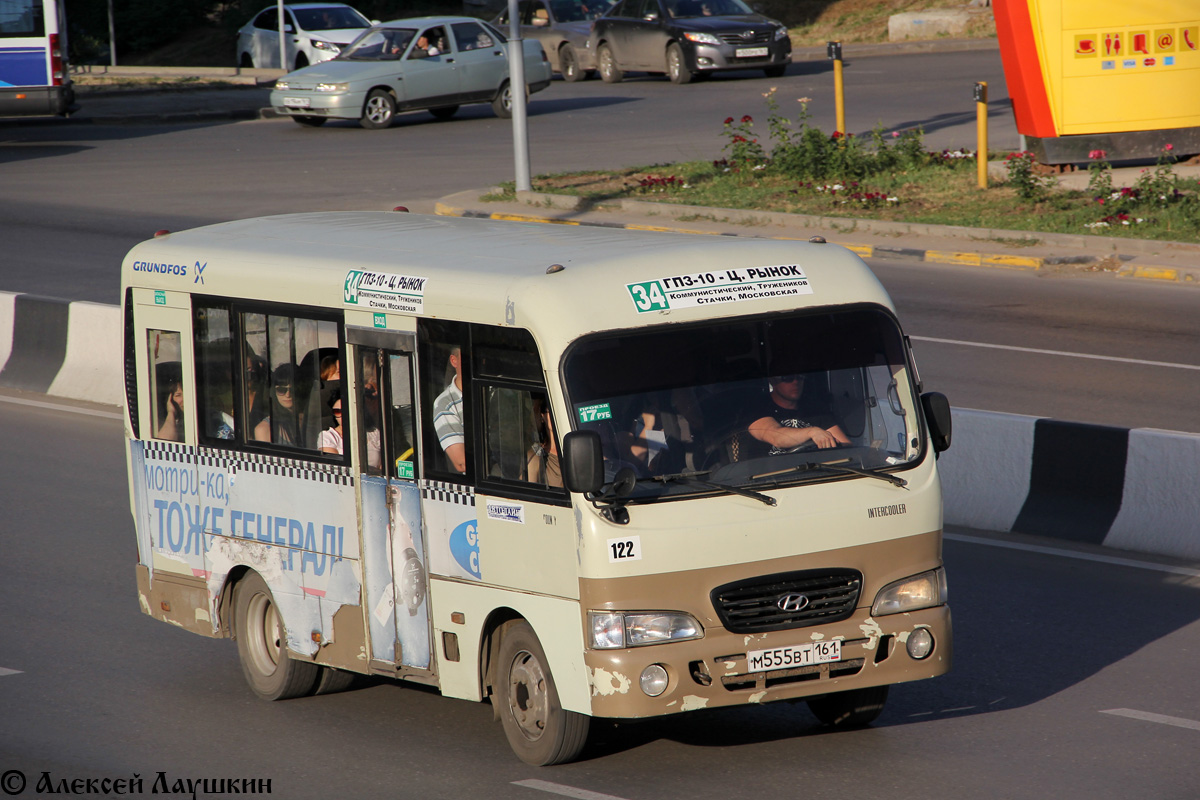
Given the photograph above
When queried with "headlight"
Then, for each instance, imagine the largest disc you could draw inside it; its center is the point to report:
(702, 38)
(780, 33)
(920, 591)
(282, 86)
(331, 87)
(327, 46)
(612, 630)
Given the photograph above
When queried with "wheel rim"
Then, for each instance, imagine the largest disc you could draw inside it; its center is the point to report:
(506, 98)
(377, 110)
(528, 699)
(606, 62)
(264, 634)
(673, 64)
(568, 63)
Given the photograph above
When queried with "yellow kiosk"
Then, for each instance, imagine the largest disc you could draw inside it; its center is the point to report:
(1106, 75)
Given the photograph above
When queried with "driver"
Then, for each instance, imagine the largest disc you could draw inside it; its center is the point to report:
(781, 423)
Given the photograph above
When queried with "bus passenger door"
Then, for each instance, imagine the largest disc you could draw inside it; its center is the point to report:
(394, 558)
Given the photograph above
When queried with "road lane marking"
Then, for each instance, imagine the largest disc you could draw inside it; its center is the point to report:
(565, 791)
(4, 673)
(20, 401)
(1161, 719)
(1139, 361)
(1054, 551)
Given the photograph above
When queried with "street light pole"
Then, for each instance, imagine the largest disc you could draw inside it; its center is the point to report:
(516, 86)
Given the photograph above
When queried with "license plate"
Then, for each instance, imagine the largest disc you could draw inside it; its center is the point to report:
(800, 655)
(752, 52)
(296, 102)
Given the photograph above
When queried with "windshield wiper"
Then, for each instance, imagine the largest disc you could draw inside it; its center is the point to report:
(694, 479)
(835, 466)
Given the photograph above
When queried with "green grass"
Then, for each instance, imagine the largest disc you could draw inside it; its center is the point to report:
(944, 192)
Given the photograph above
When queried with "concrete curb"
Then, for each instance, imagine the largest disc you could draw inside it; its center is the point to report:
(1089, 250)
(1116, 487)
(1129, 489)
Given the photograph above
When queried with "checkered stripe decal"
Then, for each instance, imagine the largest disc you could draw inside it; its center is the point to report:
(448, 492)
(248, 462)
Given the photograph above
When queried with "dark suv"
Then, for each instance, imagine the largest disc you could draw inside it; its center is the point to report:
(684, 38)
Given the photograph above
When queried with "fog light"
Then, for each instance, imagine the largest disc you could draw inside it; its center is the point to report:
(654, 680)
(704, 62)
(920, 643)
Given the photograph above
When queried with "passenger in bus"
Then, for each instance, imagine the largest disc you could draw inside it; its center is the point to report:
(447, 416)
(330, 439)
(783, 425)
(282, 425)
(170, 409)
(371, 413)
(543, 466)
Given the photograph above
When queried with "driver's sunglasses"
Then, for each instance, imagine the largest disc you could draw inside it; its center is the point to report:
(283, 388)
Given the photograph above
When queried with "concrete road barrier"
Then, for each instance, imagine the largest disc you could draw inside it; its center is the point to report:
(61, 348)
(1132, 489)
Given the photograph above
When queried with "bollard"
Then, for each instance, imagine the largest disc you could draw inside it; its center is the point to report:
(981, 151)
(834, 49)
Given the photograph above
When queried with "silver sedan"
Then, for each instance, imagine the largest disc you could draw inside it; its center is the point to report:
(432, 63)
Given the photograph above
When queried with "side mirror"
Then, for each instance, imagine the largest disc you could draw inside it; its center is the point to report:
(287, 28)
(937, 417)
(583, 462)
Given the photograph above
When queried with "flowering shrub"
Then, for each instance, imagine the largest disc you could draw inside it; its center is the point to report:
(657, 184)
(742, 147)
(1029, 185)
(851, 194)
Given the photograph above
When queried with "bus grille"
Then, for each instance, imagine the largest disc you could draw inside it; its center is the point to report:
(787, 600)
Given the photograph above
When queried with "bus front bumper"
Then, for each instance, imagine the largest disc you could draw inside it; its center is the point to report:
(713, 671)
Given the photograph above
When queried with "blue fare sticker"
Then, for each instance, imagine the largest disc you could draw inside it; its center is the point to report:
(595, 413)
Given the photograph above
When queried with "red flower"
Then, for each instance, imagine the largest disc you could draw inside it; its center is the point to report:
(836, 135)
(1169, 147)
(1097, 155)
(747, 119)
(729, 120)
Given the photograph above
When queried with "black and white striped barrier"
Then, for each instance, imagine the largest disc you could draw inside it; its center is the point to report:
(61, 348)
(1128, 489)
(1131, 489)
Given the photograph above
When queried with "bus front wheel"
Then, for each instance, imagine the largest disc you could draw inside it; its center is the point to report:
(539, 731)
(262, 645)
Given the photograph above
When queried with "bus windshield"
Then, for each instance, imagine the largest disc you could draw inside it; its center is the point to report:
(755, 402)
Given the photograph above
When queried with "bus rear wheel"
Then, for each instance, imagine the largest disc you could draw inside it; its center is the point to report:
(539, 731)
(851, 709)
(262, 645)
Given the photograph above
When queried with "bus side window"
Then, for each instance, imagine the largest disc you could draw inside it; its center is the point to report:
(520, 439)
(446, 407)
(166, 385)
(214, 373)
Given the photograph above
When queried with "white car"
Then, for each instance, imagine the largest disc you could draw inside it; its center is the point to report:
(434, 64)
(313, 32)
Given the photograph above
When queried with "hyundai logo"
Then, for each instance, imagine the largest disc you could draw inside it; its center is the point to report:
(792, 602)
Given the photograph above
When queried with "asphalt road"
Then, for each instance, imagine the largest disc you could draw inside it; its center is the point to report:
(1047, 648)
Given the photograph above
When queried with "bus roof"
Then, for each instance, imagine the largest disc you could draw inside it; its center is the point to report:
(503, 272)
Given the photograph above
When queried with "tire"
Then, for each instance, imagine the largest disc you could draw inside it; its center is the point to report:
(776, 71)
(852, 709)
(301, 61)
(261, 643)
(310, 122)
(334, 680)
(568, 64)
(445, 112)
(610, 72)
(539, 731)
(379, 110)
(502, 103)
(677, 68)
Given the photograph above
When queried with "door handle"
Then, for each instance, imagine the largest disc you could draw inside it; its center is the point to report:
(449, 60)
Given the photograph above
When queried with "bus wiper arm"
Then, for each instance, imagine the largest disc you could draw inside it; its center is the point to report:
(695, 479)
(835, 467)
